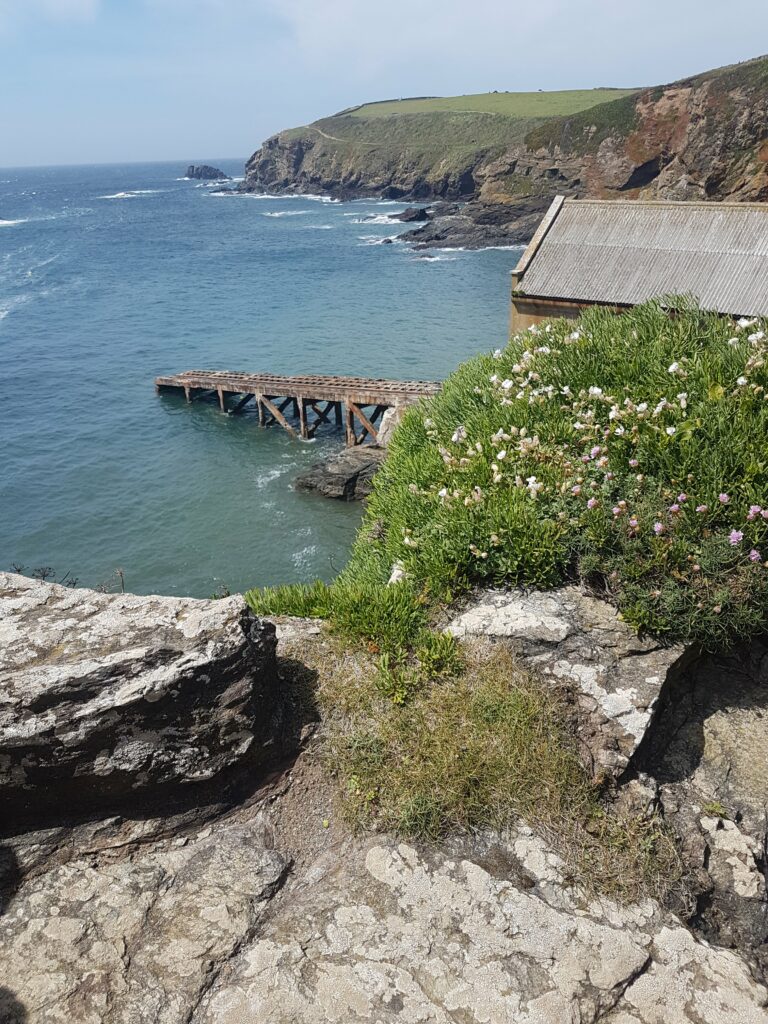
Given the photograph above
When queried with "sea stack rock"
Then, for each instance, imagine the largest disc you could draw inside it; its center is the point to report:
(106, 695)
(204, 172)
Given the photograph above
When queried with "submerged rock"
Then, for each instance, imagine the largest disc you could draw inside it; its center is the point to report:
(347, 476)
(104, 695)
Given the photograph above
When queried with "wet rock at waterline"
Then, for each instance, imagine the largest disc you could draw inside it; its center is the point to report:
(347, 476)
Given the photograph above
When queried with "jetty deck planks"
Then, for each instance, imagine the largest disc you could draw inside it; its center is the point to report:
(273, 396)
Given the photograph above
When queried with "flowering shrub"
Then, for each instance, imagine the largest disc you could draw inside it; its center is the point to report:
(630, 451)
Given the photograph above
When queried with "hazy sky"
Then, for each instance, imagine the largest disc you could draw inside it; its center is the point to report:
(86, 81)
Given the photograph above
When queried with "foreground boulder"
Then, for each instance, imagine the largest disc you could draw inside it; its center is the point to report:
(102, 695)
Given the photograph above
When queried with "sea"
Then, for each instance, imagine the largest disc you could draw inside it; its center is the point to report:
(112, 275)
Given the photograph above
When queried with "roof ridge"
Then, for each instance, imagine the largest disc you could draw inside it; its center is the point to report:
(709, 204)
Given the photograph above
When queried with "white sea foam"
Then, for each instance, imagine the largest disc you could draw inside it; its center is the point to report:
(267, 477)
(301, 558)
(286, 213)
(287, 195)
(373, 218)
(11, 223)
(133, 193)
(317, 227)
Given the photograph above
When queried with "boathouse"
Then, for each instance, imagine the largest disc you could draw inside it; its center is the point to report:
(619, 253)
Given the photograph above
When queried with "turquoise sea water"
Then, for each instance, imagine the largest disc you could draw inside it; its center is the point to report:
(112, 275)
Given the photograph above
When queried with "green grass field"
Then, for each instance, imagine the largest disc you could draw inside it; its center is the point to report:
(510, 104)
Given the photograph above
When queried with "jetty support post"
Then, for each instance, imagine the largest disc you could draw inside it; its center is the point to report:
(302, 404)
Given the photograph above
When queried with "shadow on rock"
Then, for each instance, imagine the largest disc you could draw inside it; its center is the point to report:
(11, 1010)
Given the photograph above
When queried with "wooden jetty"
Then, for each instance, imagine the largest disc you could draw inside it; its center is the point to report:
(357, 402)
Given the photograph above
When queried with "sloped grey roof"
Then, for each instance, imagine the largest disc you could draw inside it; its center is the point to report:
(625, 252)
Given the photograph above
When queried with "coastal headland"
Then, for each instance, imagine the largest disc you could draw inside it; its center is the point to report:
(503, 156)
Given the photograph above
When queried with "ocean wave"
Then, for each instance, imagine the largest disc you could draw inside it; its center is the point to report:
(374, 218)
(267, 477)
(434, 259)
(287, 195)
(134, 192)
(11, 223)
(317, 227)
(286, 213)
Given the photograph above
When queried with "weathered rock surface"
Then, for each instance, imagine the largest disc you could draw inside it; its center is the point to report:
(135, 940)
(707, 756)
(197, 916)
(103, 695)
(209, 928)
(388, 933)
(204, 172)
(580, 642)
(347, 476)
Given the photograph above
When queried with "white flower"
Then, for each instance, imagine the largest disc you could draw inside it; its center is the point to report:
(683, 399)
(757, 336)
(502, 454)
(733, 342)
(671, 431)
(741, 381)
(497, 353)
(595, 392)
(544, 350)
(429, 423)
(673, 368)
(643, 407)
(494, 379)
(574, 336)
(743, 323)
(506, 384)
(443, 492)
(459, 434)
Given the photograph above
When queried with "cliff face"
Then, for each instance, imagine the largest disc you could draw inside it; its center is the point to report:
(702, 138)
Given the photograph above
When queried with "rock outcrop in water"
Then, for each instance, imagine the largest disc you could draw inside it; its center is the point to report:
(347, 476)
(204, 172)
(244, 899)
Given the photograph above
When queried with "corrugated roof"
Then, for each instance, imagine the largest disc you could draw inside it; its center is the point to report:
(625, 252)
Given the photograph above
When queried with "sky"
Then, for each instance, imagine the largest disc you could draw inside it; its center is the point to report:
(100, 81)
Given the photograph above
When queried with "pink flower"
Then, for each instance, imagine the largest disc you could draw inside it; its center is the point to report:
(658, 529)
(754, 512)
(755, 556)
(723, 499)
(576, 489)
(592, 502)
(633, 523)
(633, 463)
(674, 509)
(735, 537)
(682, 497)
(585, 458)
(616, 510)
(595, 451)
(702, 508)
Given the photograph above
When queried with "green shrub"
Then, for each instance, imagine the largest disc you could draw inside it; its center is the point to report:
(630, 451)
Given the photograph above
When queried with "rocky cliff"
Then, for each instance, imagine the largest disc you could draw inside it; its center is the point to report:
(242, 897)
(705, 137)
